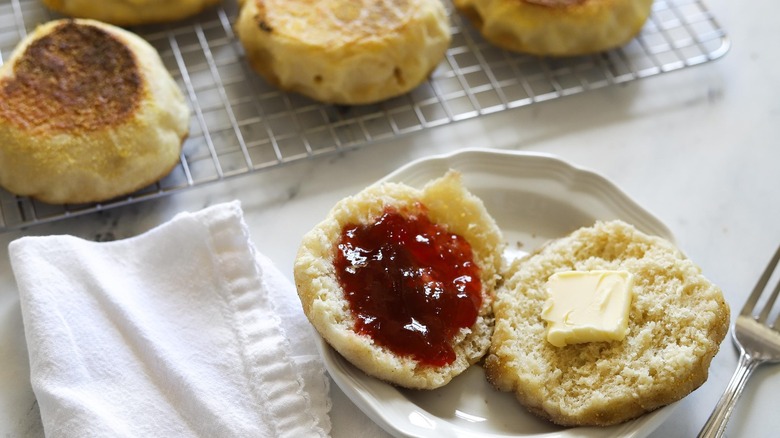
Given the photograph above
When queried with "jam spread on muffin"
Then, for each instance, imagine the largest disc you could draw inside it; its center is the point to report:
(411, 284)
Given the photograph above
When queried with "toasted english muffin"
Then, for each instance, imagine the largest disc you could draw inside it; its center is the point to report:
(446, 203)
(557, 27)
(130, 12)
(677, 321)
(345, 52)
(87, 113)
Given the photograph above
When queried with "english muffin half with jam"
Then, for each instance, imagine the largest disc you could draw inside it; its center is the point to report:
(400, 280)
(87, 113)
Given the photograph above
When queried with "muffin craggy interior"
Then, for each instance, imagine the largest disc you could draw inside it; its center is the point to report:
(677, 321)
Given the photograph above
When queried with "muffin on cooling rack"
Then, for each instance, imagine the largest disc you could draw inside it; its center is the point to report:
(88, 112)
(557, 27)
(129, 13)
(345, 52)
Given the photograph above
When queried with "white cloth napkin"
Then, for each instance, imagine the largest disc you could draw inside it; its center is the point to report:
(179, 332)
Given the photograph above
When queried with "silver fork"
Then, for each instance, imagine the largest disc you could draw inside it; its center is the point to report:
(758, 343)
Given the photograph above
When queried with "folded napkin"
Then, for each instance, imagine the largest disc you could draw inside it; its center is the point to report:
(183, 331)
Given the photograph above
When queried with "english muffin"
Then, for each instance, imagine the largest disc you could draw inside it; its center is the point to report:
(344, 52)
(677, 320)
(557, 27)
(87, 113)
(130, 12)
(400, 280)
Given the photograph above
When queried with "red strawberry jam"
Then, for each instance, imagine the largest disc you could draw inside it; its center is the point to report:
(411, 285)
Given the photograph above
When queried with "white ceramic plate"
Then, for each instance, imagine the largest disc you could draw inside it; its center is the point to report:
(534, 198)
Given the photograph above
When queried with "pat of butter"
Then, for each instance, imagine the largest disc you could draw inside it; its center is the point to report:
(587, 306)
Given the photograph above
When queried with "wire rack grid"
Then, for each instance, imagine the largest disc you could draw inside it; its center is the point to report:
(241, 124)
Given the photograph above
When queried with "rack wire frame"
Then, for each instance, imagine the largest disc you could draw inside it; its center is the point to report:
(241, 124)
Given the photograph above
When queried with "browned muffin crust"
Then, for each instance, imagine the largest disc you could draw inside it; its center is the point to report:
(556, 27)
(77, 77)
(130, 12)
(347, 52)
(88, 112)
(554, 3)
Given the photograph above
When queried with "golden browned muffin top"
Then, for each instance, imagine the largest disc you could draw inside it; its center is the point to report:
(555, 3)
(77, 77)
(332, 21)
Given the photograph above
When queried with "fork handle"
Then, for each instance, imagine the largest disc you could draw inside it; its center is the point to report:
(716, 424)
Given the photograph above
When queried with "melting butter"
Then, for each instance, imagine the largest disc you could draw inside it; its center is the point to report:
(587, 306)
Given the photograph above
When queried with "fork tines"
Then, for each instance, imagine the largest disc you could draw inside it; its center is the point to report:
(750, 304)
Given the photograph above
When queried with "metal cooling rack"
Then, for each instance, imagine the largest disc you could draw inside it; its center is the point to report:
(240, 124)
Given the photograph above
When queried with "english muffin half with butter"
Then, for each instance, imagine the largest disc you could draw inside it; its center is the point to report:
(130, 13)
(87, 113)
(400, 280)
(557, 27)
(344, 52)
(632, 326)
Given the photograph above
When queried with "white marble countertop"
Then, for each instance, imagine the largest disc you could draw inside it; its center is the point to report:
(699, 148)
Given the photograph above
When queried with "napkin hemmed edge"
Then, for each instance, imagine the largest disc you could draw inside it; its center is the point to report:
(241, 275)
